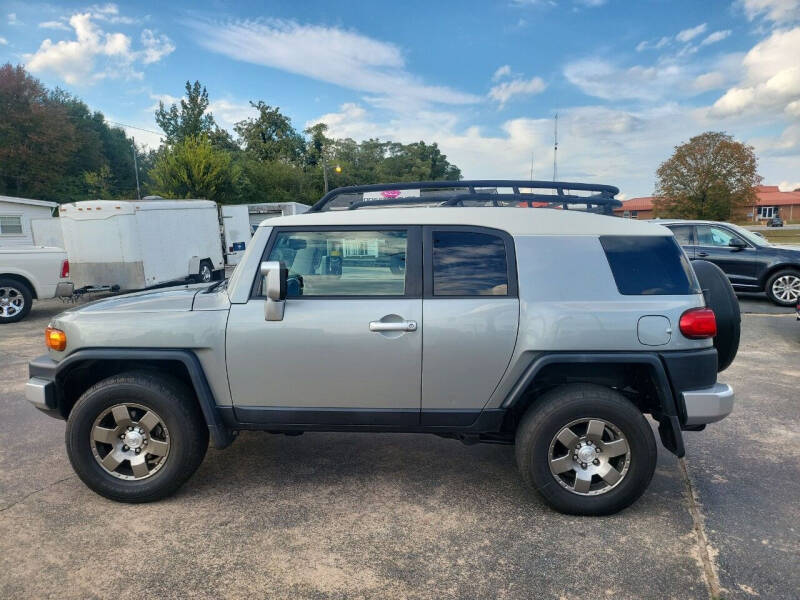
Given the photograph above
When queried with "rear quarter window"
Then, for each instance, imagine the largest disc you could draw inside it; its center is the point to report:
(649, 265)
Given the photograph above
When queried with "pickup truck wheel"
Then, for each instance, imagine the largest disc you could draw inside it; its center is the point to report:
(15, 300)
(783, 288)
(586, 450)
(136, 437)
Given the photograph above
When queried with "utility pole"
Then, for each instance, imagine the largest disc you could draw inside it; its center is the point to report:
(324, 171)
(136, 171)
(531, 165)
(555, 150)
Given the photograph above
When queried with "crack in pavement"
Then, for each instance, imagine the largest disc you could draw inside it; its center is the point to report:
(705, 550)
(28, 495)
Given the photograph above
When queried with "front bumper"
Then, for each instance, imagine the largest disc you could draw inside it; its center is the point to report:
(709, 404)
(40, 390)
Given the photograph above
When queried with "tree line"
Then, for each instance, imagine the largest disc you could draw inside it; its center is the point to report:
(54, 147)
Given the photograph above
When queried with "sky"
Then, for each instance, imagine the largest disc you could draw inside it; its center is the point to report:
(629, 80)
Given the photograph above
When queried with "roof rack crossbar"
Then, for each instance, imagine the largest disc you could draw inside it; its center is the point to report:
(603, 191)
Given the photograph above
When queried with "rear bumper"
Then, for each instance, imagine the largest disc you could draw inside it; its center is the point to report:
(64, 289)
(709, 404)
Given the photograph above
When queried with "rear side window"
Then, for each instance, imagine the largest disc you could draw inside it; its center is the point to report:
(466, 263)
(683, 233)
(649, 265)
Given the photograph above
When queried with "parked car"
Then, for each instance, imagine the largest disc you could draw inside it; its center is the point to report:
(482, 336)
(775, 221)
(29, 273)
(751, 263)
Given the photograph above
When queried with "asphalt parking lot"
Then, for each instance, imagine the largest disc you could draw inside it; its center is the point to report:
(412, 516)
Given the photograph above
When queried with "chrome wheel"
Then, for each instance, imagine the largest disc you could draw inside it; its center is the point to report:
(787, 288)
(206, 275)
(589, 456)
(12, 301)
(130, 441)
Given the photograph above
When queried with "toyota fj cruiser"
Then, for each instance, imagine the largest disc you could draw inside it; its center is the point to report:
(456, 309)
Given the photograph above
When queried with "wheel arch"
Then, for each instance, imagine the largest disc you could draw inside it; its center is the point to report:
(82, 369)
(641, 377)
(774, 269)
(24, 280)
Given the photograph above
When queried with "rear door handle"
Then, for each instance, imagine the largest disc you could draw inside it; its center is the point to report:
(397, 326)
(702, 254)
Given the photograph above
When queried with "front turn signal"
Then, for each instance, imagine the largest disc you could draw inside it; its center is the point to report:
(55, 339)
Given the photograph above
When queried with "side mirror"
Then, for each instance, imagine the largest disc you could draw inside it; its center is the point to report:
(274, 286)
(737, 243)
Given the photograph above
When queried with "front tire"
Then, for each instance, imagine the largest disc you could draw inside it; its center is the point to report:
(136, 437)
(15, 300)
(586, 450)
(783, 287)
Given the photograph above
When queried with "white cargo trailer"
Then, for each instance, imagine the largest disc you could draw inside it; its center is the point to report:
(236, 231)
(136, 244)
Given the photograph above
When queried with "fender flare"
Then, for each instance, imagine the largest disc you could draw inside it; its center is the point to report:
(221, 436)
(669, 428)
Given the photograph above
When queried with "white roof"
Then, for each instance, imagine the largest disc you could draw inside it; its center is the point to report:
(13, 200)
(98, 209)
(516, 221)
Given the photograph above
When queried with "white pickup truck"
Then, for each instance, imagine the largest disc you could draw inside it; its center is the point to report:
(29, 273)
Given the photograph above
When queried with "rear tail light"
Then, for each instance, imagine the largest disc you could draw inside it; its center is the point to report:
(65, 269)
(698, 323)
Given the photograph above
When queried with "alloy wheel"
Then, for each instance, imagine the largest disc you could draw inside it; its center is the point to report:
(589, 456)
(205, 274)
(12, 301)
(787, 288)
(130, 441)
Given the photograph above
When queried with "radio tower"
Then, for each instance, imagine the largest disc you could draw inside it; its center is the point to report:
(555, 150)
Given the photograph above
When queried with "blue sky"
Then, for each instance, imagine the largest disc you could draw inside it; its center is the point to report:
(629, 80)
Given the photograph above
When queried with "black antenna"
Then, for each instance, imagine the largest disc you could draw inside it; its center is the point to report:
(555, 150)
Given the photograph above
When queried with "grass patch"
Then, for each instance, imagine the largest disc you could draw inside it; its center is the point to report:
(782, 236)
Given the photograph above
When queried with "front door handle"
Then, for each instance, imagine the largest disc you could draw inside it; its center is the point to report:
(390, 326)
(702, 254)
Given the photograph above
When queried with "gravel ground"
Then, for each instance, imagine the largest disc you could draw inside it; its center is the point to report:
(411, 516)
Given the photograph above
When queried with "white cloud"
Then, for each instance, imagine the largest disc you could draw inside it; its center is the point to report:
(786, 186)
(75, 60)
(504, 71)
(3, 41)
(110, 13)
(12, 19)
(771, 80)
(708, 81)
(715, 37)
(54, 25)
(331, 54)
(778, 11)
(503, 92)
(688, 35)
(606, 80)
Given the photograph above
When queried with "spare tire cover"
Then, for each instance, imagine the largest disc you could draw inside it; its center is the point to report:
(721, 298)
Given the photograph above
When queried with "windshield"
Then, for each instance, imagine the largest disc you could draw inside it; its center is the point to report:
(751, 237)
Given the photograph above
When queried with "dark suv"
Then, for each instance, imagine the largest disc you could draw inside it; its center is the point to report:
(751, 263)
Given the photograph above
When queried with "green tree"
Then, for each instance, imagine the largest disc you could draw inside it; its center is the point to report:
(270, 135)
(37, 138)
(193, 168)
(712, 176)
(190, 120)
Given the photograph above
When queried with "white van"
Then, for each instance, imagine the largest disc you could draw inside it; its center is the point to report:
(135, 244)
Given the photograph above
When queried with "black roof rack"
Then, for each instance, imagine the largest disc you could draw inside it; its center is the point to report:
(462, 193)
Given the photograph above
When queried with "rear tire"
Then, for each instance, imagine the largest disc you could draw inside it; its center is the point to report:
(113, 413)
(569, 414)
(783, 287)
(16, 300)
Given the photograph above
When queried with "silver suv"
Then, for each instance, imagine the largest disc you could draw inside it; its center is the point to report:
(453, 308)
